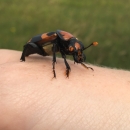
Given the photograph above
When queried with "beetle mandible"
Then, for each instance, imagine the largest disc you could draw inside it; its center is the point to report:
(63, 42)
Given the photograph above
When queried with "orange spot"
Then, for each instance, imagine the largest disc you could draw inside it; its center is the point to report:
(95, 43)
(66, 35)
(77, 46)
(46, 38)
(71, 48)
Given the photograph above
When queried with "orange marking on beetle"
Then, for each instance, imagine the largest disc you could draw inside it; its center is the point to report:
(77, 46)
(95, 43)
(66, 35)
(71, 48)
(46, 38)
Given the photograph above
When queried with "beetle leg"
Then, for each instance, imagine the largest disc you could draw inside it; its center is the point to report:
(54, 59)
(66, 64)
(86, 66)
(23, 53)
(67, 68)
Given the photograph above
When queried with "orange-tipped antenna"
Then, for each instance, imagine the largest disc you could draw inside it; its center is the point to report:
(94, 44)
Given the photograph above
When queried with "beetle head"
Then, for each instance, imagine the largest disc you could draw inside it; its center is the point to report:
(76, 48)
(79, 57)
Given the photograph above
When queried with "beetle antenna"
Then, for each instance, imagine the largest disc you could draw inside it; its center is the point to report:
(94, 44)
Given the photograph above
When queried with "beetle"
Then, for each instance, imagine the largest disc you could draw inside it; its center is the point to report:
(61, 41)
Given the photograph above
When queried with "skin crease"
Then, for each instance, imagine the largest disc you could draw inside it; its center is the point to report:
(30, 99)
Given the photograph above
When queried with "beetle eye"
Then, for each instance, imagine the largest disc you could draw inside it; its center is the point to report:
(71, 48)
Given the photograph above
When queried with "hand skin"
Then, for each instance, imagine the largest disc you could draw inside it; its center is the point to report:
(30, 99)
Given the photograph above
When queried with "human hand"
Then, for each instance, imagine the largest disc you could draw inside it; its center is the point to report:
(30, 99)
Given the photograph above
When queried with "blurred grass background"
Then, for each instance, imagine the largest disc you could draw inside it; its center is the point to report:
(106, 22)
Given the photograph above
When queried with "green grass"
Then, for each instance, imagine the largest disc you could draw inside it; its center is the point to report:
(99, 20)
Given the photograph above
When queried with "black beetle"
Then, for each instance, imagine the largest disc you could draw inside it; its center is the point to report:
(62, 42)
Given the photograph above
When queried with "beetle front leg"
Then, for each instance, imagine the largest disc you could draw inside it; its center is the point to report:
(54, 69)
(54, 59)
(66, 64)
(67, 68)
